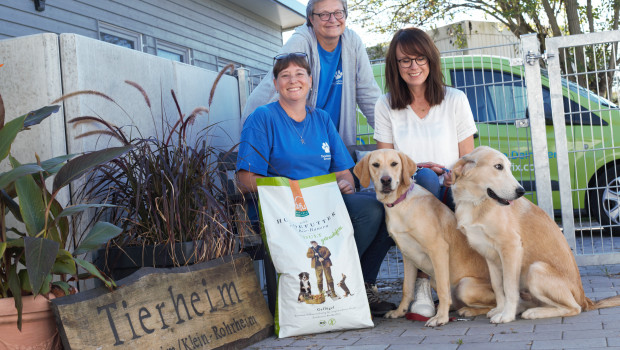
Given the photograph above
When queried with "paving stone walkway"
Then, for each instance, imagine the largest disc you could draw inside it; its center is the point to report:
(598, 329)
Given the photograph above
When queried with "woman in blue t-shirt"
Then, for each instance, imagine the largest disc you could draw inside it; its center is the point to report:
(287, 138)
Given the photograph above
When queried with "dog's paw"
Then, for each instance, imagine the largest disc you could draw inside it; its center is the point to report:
(395, 313)
(494, 311)
(502, 318)
(437, 321)
(471, 311)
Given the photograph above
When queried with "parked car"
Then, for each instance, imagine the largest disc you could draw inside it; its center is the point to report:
(497, 96)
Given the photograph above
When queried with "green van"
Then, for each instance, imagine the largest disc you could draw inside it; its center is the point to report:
(497, 96)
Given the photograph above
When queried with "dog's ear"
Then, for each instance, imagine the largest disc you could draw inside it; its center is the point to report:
(462, 167)
(362, 172)
(409, 168)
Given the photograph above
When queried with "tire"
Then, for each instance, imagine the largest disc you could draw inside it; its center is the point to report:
(605, 200)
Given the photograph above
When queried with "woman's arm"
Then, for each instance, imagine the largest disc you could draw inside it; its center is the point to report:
(382, 145)
(465, 147)
(247, 181)
(345, 181)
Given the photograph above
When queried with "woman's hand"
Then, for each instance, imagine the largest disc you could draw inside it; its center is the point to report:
(345, 181)
(447, 179)
(437, 168)
(345, 187)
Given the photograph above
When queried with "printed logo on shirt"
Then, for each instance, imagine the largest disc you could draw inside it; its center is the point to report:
(337, 78)
(325, 147)
(327, 156)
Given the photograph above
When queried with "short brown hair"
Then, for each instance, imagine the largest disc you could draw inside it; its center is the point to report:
(283, 63)
(415, 42)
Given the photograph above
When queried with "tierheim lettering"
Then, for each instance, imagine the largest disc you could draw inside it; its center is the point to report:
(147, 319)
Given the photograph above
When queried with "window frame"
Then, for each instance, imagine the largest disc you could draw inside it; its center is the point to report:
(183, 51)
(120, 32)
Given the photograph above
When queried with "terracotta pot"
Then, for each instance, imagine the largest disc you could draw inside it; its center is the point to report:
(38, 326)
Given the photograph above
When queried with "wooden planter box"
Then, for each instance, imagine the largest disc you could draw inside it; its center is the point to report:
(119, 264)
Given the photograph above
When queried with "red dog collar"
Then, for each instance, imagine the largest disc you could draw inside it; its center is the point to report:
(402, 196)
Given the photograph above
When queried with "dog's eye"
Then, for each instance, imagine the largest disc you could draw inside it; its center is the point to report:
(394, 164)
(376, 165)
(499, 166)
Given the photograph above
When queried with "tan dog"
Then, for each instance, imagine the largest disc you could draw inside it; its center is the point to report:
(425, 231)
(524, 248)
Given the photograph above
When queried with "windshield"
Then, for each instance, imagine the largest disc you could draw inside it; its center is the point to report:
(583, 91)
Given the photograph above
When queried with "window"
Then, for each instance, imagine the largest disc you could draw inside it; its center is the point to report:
(173, 52)
(120, 36)
(496, 96)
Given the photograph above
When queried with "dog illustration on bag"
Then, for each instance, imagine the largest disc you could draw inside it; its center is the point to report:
(305, 291)
(344, 287)
(321, 263)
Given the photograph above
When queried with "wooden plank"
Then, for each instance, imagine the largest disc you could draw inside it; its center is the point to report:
(216, 304)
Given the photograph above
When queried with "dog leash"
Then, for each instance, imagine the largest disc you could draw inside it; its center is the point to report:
(417, 317)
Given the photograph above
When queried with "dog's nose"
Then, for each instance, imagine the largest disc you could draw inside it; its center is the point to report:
(519, 191)
(386, 180)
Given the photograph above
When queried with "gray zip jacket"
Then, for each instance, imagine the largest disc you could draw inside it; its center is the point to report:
(358, 86)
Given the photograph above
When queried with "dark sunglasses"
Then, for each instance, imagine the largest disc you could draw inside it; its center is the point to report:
(287, 55)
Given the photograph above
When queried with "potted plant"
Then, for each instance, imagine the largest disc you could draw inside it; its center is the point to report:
(41, 256)
(167, 194)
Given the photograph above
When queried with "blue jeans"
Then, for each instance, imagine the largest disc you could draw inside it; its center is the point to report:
(371, 237)
(428, 179)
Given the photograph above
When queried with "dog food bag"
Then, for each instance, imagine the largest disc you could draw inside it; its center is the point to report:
(309, 237)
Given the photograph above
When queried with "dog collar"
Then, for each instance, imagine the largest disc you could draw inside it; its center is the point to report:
(402, 196)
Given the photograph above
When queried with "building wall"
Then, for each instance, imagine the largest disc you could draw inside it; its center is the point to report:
(216, 31)
(474, 34)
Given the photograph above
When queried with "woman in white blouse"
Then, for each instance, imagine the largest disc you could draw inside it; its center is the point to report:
(427, 120)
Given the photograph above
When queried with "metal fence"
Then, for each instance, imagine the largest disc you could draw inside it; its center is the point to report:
(587, 142)
(558, 128)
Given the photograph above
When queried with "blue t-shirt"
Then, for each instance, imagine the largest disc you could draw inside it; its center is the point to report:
(330, 82)
(269, 132)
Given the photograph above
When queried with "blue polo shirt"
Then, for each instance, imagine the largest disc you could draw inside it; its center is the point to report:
(329, 96)
(269, 132)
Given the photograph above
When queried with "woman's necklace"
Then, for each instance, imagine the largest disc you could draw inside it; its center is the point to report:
(301, 136)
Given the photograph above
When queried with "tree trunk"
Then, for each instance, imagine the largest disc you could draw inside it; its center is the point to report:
(574, 27)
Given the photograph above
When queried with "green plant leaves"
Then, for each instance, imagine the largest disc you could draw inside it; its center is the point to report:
(64, 263)
(80, 165)
(8, 134)
(64, 286)
(78, 208)
(100, 233)
(36, 117)
(15, 288)
(9, 131)
(92, 269)
(2, 249)
(31, 205)
(40, 257)
(16, 173)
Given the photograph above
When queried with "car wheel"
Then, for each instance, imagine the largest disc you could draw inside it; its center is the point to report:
(605, 201)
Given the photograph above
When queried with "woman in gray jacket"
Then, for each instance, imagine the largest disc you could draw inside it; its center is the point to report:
(341, 72)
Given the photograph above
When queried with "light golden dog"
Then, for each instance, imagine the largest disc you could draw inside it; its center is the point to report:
(425, 231)
(525, 250)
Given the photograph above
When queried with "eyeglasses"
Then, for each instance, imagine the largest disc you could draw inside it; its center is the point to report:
(325, 16)
(408, 62)
(287, 55)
